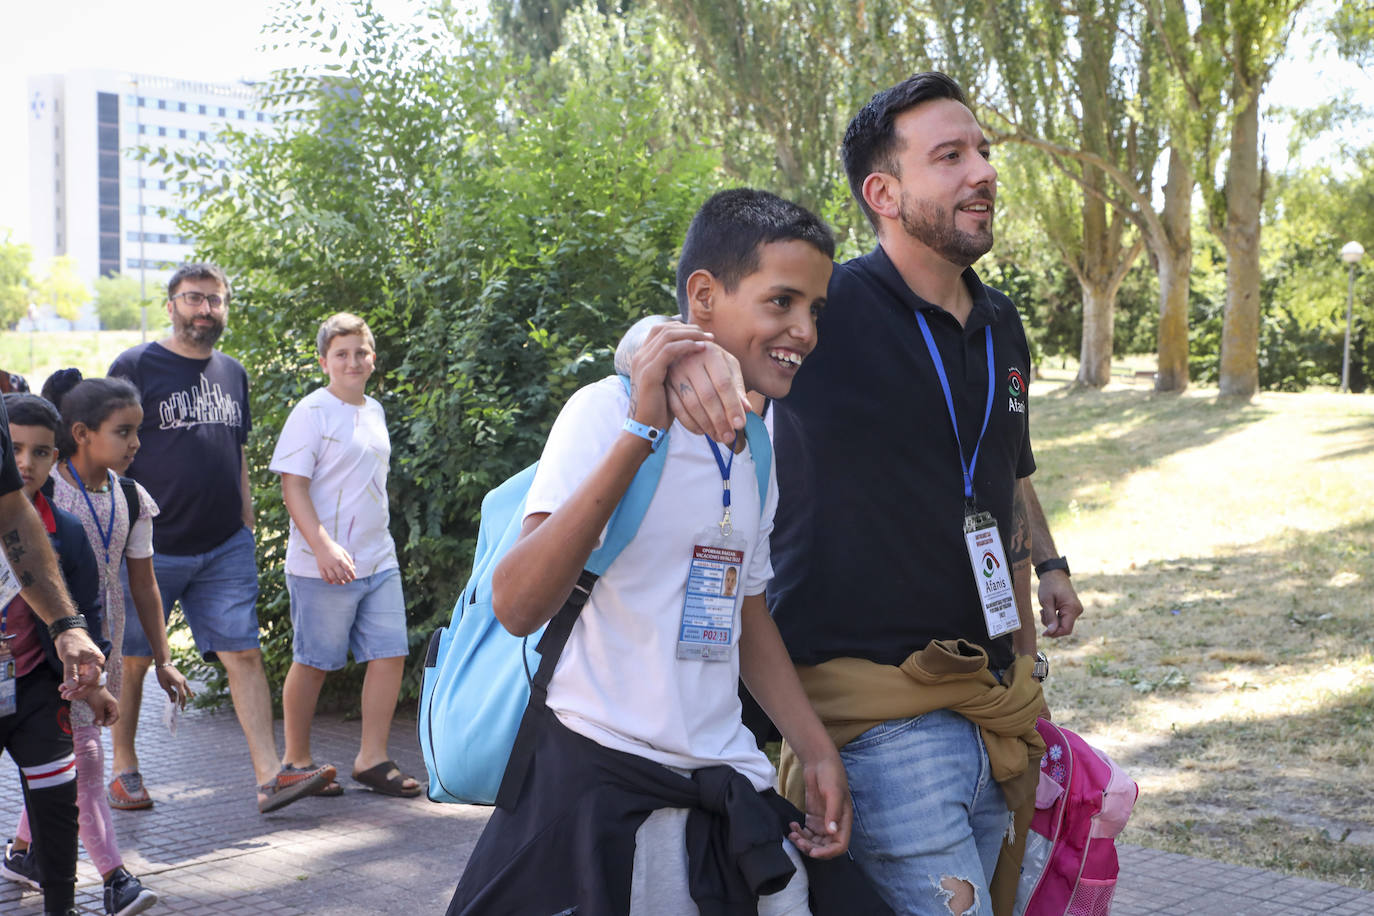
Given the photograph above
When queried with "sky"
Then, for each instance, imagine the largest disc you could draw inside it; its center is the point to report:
(218, 41)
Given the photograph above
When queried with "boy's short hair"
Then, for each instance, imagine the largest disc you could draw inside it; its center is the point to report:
(871, 139)
(198, 271)
(727, 232)
(31, 410)
(341, 324)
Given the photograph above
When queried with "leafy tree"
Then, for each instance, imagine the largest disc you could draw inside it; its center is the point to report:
(118, 304)
(62, 288)
(534, 28)
(1249, 36)
(16, 286)
(784, 77)
(498, 226)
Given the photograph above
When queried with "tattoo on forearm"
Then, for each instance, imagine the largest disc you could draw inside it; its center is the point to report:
(26, 578)
(16, 553)
(1020, 531)
(10, 538)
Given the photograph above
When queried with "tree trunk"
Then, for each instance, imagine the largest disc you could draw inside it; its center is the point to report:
(1174, 259)
(1239, 374)
(1095, 358)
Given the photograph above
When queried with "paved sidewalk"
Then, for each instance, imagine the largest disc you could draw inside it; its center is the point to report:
(205, 849)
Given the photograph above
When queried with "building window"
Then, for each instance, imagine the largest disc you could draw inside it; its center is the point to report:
(204, 135)
(200, 109)
(182, 133)
(162, 131)
(181, 106)
(142, 129)
(162, 104)
(142, 102)
(221, 112)
(261, 117)
(242, 116)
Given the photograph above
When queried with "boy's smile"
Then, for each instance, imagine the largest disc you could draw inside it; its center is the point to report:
(349, 362)
(35, 452)
(768, 321)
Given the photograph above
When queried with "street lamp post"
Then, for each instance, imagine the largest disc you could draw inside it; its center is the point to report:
(1350, 254)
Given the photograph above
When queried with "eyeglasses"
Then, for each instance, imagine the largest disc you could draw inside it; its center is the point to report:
(196, 299)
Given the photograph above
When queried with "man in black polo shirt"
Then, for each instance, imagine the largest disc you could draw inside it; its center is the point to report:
(903, 523)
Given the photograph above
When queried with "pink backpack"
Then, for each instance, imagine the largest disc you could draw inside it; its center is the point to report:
(1084, 800)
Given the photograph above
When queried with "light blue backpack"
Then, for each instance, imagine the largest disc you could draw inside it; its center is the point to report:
(478, 678)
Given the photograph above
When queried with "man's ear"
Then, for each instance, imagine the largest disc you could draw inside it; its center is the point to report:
(701, 291)
(883, 194)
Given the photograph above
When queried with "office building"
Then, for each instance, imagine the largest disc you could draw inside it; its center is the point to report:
(89, 195)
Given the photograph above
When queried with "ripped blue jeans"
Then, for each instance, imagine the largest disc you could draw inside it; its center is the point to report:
(926, 808)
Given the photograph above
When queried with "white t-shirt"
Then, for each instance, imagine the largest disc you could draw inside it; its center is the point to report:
(345, 451)
(619, 681)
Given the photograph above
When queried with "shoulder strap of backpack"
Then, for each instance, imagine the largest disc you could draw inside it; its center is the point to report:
(131, 497)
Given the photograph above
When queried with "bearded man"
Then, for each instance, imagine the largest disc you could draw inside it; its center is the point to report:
(196, 420)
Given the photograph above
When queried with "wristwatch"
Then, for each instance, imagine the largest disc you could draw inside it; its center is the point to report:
(63, 624)
(1051, 565)
(1042, 666)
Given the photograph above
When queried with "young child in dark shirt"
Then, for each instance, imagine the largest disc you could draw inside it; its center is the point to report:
(38, 735)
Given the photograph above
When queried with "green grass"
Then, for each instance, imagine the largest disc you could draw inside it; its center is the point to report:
(1225, 555)
(37, 355)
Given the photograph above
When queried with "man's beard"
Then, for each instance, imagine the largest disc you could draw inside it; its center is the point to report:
(200, 336)
(934, 228)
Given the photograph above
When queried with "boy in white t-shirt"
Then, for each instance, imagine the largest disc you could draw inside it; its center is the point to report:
(651, 670)
(341, 569)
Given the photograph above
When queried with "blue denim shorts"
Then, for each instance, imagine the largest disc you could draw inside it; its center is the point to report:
(368, 616)
(925, 808)
(218, 591)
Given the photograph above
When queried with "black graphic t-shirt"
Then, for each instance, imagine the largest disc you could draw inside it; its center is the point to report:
(195, 423)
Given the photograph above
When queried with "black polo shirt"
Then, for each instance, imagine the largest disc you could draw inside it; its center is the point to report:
(868, 549)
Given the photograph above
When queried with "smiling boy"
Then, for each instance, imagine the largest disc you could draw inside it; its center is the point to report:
(643, 695)
(341, 568)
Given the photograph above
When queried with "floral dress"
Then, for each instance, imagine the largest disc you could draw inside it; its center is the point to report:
(70, 497)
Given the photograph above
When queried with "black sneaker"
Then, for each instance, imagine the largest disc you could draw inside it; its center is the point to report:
(124, 895)
(20, 866)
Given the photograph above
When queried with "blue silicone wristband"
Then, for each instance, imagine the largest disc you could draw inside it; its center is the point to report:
(654, 435)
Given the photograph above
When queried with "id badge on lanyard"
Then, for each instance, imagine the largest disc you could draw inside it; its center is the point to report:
(9, 589)
(707, 631)
(991, 574)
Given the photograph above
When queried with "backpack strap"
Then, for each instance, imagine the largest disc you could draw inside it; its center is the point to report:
(131, 497)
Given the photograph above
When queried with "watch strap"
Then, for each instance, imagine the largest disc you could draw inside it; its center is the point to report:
(653, 434)
(63, 624)
(1053, 564)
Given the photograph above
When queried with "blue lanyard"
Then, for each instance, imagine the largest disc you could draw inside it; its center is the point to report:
(968, 466)
(105, 535)
(725, 527)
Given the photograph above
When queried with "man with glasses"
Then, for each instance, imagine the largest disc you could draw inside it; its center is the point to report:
(195, 423)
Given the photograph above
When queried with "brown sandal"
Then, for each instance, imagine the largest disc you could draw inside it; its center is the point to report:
(386, 778)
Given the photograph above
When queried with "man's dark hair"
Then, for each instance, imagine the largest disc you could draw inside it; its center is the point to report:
(31, 410)
(197, 271)
(870, 141)
(726, 234)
